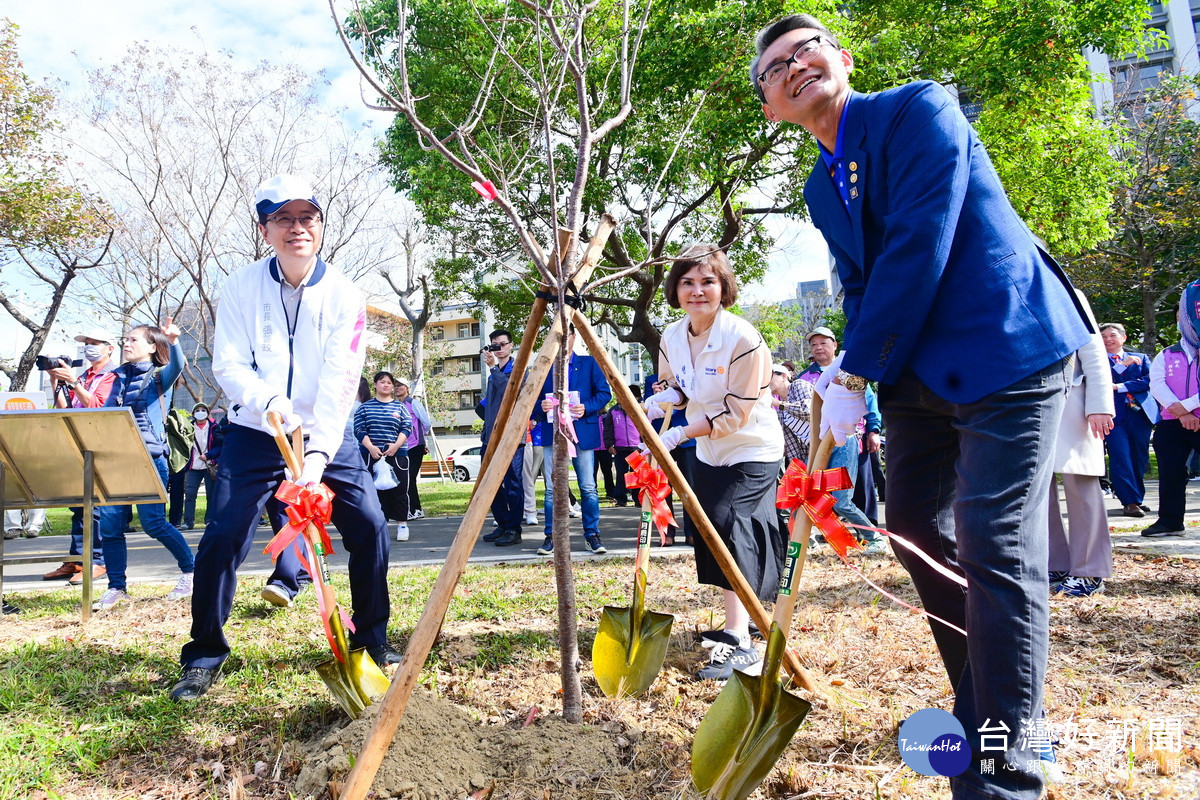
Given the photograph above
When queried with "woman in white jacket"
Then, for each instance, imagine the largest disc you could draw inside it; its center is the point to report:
(1080, 562)
(719, 369)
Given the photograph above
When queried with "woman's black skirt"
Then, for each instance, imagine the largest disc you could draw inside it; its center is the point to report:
(740, 501)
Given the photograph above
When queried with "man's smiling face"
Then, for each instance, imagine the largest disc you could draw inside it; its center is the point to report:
(809, 89)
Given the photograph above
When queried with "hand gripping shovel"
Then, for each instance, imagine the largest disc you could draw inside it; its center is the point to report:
(631, 643)
(352, 676)
(754, 718)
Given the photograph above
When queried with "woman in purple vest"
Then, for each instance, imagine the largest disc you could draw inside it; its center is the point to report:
(1175, 384)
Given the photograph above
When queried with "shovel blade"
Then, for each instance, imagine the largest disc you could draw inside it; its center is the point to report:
(629, 652)
(354, 683)
(746, 730)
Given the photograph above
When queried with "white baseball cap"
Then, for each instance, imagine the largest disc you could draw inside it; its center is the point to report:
(821, 331)
(277, 192)
(97, 335)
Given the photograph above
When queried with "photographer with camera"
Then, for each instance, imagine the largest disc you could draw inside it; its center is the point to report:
(97, 387)
(508, 503)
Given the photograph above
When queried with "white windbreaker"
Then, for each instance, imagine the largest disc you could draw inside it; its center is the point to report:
(757, 437)
(317, 363)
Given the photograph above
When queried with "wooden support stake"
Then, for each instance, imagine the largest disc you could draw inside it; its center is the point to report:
(358, 782)
(724, 558)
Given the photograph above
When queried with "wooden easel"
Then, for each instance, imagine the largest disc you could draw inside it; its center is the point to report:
(516, 407)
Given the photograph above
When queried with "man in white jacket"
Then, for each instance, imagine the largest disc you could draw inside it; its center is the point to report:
(289, 339)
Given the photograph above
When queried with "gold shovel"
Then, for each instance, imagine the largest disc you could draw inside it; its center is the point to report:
(631, 643)
(754, 718)
(353, 678)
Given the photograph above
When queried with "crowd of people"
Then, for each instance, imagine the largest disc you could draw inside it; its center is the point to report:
(937, 269)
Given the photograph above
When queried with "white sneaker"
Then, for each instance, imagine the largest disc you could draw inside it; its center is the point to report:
(531, 519)
(402, 532)
(576, 511)
(183, 588)
(110, 598)
(275, 596)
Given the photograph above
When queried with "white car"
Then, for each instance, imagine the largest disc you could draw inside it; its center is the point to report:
(465, 463)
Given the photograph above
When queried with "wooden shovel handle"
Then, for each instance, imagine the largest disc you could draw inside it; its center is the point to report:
(642, 557)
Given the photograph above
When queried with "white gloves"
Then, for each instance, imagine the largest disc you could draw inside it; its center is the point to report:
(314, 468)
(841, 412)
(655, 411)
(671, 439)
(281, 405)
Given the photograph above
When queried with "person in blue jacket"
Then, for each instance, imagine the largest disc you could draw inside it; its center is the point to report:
(153, 362)
(584, 376)
(968, 327)
(1128, 444)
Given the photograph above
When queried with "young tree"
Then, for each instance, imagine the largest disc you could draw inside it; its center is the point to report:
(1136, 275)
(51, 231)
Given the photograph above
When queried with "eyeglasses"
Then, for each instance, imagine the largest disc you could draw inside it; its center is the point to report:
(804, 55)
(307, 221)
(784, 374)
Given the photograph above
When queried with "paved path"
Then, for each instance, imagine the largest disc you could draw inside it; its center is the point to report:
(430, 541)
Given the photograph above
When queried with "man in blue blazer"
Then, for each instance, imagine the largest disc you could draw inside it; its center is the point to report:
(584, 376)
(968, 328)
(1129, 442)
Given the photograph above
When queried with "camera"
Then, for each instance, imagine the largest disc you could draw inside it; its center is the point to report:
(492, 348)
(54, 362)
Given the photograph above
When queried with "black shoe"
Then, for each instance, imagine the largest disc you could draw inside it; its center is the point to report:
(1161, 529)
(1132, 510)
(509, 537)
(384, 655)
(194, 682)
(1144, 507)
(492, 535)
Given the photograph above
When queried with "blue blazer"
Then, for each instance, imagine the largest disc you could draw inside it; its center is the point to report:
(941, 275)
(1137, 383)
(584, 376)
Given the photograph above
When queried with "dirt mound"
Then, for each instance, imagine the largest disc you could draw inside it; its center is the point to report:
(440, 753)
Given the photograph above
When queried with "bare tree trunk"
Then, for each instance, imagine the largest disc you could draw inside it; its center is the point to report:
(564, 576)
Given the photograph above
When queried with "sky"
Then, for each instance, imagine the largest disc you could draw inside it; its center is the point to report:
(61, 40)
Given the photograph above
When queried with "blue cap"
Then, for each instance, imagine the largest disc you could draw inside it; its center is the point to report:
(277, 192)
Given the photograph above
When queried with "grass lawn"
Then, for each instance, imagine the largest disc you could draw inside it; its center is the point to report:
(83, 711)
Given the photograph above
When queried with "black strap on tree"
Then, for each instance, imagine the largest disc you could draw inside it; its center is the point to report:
(571, 297)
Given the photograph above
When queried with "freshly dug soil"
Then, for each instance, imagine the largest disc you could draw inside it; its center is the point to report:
(441, 753)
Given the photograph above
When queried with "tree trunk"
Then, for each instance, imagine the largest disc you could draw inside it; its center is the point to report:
(564, 577)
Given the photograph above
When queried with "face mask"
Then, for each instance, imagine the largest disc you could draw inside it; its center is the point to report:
(201, 415)
(93, 352)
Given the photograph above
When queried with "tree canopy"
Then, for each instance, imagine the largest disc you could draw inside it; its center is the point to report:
(696, 159)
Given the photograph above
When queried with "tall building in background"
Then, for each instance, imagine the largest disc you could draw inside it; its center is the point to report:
(1180, 21)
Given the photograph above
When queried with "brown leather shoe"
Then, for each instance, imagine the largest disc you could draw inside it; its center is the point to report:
(68, 569)
(97, 573)
(1133, 510)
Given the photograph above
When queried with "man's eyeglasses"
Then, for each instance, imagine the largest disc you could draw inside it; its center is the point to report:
(307, 221)
(804, 55)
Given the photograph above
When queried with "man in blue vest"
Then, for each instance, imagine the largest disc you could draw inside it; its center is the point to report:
(968, 328)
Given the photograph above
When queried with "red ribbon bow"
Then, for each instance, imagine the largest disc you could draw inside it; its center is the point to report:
(309, 505)
(304, 505)
(650, 480)
(813, 493)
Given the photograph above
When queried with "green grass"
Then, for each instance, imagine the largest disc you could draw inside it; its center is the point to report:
(80, 705)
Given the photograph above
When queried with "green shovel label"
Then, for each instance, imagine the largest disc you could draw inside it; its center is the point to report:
(789, 568)
(644, 530)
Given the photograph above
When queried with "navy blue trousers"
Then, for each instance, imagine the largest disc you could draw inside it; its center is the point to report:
(1128, 455)
(508, 508)
(249, 474)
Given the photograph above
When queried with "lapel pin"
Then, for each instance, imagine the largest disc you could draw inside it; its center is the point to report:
(854, 177)
(853, 166)
(853, 192)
